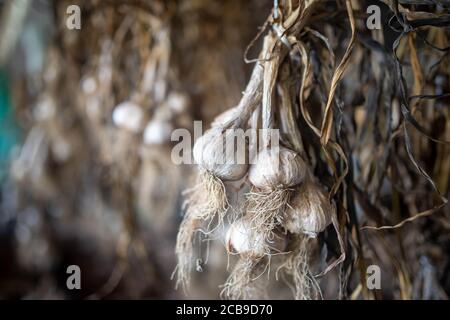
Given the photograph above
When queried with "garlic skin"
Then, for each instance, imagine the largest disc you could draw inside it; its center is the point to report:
(210, 152)
(242, 239)
(270, 172)
(129, 116)
(310, 210)
(157, 132)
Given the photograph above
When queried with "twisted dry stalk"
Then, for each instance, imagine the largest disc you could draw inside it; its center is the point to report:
(264, 207)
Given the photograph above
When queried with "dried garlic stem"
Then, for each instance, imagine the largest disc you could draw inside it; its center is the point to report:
(288, 120)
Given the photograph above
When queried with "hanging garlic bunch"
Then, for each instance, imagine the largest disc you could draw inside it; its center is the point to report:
(285, 208)
(219, 161)
(283, 196)
(273, 175)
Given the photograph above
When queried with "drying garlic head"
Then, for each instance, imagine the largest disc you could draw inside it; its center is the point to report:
(218, 153)
(241, 238)
(129, 116)
(310, 210)
(282, 169)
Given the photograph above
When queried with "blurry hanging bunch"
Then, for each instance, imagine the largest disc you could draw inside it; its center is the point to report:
(207, 202)
(98, 140)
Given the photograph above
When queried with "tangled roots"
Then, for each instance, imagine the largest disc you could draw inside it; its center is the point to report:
(207, 201)
(296, 265)
(241, 283)
(184, 250)
(266, 208)
(213, 198)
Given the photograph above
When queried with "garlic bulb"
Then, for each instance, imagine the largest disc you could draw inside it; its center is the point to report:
(157, 132)
(310, 210)
(129, 116)
(274, 170)
(241, 238)
(217, 152)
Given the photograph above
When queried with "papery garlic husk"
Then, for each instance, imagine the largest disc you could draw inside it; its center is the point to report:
(310, 211)
(216, 153)
(275, 170)
(242, 239)
(128, 115)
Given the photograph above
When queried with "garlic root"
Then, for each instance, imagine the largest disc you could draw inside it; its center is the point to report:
(305, 286)
(241, 283)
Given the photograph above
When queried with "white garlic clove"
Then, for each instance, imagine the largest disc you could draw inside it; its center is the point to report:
(129, 116)
(310, 210)
(222, 154)
(241, 238)
(157, 132)
(282, 169)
